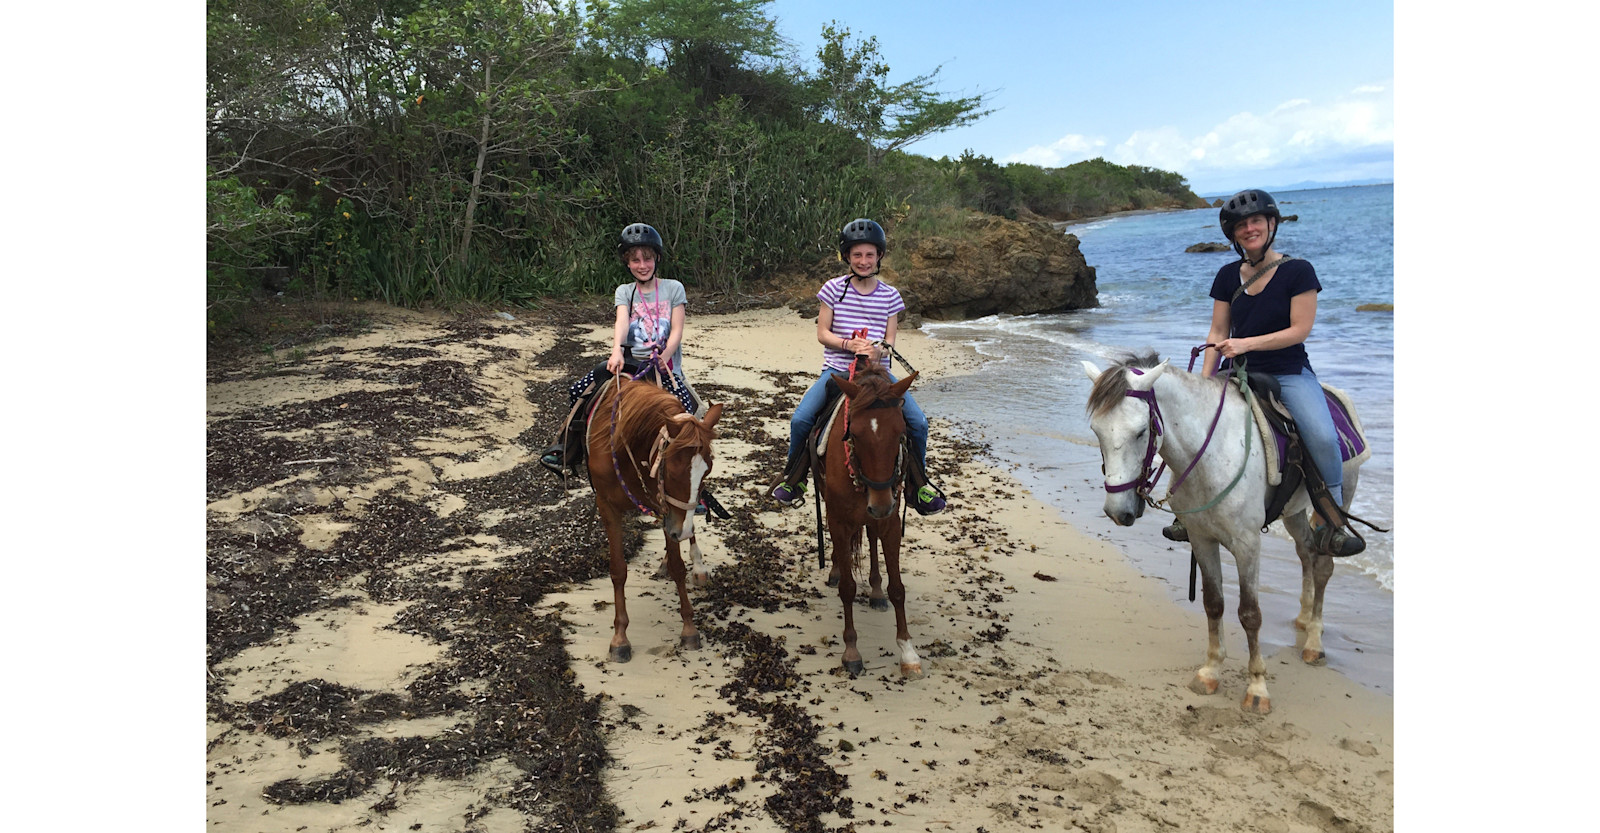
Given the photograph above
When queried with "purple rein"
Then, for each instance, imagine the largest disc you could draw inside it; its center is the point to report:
(1146, 482)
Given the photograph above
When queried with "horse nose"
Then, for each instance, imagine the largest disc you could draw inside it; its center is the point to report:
(1121, 518)
(880, 511)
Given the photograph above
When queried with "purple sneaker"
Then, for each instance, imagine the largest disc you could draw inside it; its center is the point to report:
(928, 501)
(790, 495)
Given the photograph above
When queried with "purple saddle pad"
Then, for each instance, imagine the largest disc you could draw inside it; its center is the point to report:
(1351, 443)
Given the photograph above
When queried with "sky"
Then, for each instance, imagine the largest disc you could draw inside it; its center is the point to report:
(1230, 96)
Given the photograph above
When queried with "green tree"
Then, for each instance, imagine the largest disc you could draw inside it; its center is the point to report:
(854, 92)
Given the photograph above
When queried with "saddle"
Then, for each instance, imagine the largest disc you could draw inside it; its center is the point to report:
(1288, 467)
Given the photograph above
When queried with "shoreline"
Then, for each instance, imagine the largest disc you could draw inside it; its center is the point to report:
(1055, 672)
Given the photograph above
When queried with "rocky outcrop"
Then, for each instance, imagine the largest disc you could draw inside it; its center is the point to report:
(1209, 247)
(994, 266)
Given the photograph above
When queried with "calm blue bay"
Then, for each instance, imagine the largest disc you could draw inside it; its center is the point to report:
(1028, 402)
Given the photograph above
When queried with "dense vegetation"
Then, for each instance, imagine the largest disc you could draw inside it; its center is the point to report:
(441, 150)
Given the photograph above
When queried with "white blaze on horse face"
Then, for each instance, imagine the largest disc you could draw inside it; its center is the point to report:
(697, 472)
(873, 425)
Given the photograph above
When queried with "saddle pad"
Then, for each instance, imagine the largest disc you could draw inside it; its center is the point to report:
(1346, 425)
(827, 426)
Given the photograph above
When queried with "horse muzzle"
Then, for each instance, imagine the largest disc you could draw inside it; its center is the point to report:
(1123, 512)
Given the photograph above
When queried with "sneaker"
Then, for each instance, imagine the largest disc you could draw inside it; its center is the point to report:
(1327, 540)
(554, 460)
(1175, 531)
(928, 501)
(791, 495)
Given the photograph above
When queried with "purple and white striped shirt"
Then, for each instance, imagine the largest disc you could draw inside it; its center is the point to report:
(853, 311)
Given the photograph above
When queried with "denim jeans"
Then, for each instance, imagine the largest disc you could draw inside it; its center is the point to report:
(1302, 393)
(810, 410)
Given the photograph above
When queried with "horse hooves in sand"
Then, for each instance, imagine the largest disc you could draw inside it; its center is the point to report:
(1203, 685)
(1256, 704)
(689, 643)
(621, 653)
(1314, 657)
(880, 604)
(853, 667)
(911, 671)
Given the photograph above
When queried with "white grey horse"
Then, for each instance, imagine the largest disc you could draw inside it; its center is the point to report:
(1139, 407)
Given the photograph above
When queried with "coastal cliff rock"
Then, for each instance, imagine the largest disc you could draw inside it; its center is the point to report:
(995, 265)
(1209, 247)
(988, 265)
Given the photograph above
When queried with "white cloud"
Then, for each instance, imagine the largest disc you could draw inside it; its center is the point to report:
(1064, 151)
(1299, 134)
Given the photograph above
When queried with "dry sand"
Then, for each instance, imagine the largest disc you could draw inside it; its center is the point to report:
(1054, 694)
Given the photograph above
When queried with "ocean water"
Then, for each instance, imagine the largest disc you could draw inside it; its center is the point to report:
(1028, 401)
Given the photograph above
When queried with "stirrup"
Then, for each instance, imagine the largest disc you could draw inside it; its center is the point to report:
(1175, 531)
(1332, 541)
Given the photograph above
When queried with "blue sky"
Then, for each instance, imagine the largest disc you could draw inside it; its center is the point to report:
(1229, 95)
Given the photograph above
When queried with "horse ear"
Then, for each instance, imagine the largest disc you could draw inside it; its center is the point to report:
(899, 388)
(851, 389)
(1145, 380)
(1090, 369)
(713, 414)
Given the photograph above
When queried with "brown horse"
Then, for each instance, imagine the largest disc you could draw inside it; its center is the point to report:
(862, 485)
(646, 454)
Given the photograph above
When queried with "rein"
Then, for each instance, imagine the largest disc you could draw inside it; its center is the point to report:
(1145, 482)
(663, 441)
(851, 461)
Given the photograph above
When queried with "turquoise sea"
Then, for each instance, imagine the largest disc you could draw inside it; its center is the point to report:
(1028, 402)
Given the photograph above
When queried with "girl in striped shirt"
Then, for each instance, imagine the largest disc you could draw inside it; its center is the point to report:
(850, 303)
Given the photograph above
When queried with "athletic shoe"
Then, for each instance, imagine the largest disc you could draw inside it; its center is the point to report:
(554, 462)
(1175, 531)
(928, 501)
(790, 495)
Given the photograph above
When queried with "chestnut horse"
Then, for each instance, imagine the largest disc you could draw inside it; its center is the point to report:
(646, 454)
(861, 486)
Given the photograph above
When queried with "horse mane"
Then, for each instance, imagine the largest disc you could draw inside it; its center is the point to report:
(1112, 385)
(648, 407)
(873, 381)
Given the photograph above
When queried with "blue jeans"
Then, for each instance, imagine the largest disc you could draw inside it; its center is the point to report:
(1302, 393)
(810, 410)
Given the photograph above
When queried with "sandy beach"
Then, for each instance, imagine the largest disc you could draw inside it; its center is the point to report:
(427, 649)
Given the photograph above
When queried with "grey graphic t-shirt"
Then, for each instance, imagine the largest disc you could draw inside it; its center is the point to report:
(651, 321)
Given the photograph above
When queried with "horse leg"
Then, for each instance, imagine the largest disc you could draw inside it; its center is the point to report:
(621, 651)
(910, 663)
(1210, 559)
(1315, 570)
(689, 640)
(1248, 559)
(842, 557)
(875, 578)
(698, 574)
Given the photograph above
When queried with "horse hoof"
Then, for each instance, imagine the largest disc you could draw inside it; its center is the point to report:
(621, 653)
(880, 604)
(699, 579)
(1314, 657)
(1202, 685)
(689, 643)
(1257, 704)
(854, 667)
(911, 670)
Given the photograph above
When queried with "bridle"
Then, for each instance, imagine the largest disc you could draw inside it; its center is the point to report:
(1145, 482)
(852, 460)
(658, 450)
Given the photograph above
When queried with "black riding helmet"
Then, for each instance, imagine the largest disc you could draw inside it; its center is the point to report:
(639, 234)
(1244, 204)
(861, 230)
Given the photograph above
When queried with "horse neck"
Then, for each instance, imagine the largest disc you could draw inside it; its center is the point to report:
(1188, 405)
